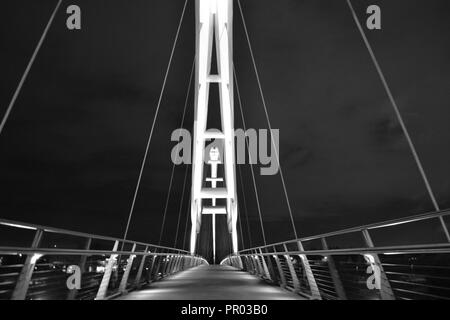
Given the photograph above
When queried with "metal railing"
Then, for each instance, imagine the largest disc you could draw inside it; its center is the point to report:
(39, 262)
(405, 259)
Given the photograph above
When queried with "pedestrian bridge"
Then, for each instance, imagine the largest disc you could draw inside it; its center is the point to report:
(404, 259)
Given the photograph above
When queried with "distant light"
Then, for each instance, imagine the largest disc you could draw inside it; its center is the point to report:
(100, 269)
(369, 258)
(35, 258)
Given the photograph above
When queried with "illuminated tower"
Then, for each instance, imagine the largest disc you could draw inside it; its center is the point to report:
(213, 21)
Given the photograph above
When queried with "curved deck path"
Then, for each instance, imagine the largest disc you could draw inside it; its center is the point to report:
(211, 282)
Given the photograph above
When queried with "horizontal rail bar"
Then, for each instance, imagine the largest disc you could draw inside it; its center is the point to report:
(425, 248)
(377, 225)
(80, 252)
(24, 225)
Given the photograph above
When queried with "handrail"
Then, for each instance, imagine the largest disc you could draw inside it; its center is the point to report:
(24, 225)
(354, 272)
(377, 225)
(80, 252)
(431, 248)
(154, 263)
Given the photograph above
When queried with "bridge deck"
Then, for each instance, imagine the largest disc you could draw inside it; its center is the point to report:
(211, 282)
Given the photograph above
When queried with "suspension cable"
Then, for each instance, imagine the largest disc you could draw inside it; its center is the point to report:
(245, 206)
(250, 157)
(268, 121)
(181, 206)
(394, 105)
(186, 224)
(240, 228)
(242, 234)
(166, 206)
(153, 123)
(27, 69)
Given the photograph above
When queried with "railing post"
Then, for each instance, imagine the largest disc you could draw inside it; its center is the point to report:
(137, 281)
(251, 262)
(181, 263)
(160, 265)
(154, 267)
(259, 266)
(73, 293)
(102, 290)
(239, 259)
(269, 265)
(315, 293)
(266, 270)
(295, 281)
(126, 273)
(173, 267)
(241, 263)
(23, 281)
(280, 271)
(385, 290)
(167, 265)
(176, 263)
(334, 273)
(248, 263)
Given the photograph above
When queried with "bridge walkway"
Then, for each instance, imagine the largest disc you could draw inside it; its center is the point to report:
(211, 282)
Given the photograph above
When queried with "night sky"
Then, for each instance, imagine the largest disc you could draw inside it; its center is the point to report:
(71, 150)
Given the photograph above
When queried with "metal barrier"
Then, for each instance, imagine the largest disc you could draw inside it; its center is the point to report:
(61, 264)
(347, 264)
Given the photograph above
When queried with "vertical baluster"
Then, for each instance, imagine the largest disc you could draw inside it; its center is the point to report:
(137, 281)
(334, 273)
(154, 266)
(252, 263)
(23, 281)
(258, 264)
(280, 271)
(315, 293)
(102, 290)
(126, 273)
(266, 270)
(295, 281)
(385, 290)
(270, 266)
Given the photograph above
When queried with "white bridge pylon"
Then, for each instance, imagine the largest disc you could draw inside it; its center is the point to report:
(213, 19)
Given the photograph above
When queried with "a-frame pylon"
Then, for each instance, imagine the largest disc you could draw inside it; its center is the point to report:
(213, 19)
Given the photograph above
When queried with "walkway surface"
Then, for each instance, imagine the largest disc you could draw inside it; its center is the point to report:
(211, 282)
